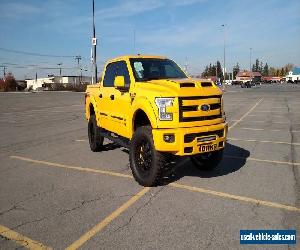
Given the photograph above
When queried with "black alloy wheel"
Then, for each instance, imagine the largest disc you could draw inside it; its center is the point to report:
(146, 162)
(95, 139)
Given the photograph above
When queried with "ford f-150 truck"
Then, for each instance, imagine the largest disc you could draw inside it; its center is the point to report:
(149, 105)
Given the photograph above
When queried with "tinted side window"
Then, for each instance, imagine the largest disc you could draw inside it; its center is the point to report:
(113, 70)
(123, 71)
(109, 76)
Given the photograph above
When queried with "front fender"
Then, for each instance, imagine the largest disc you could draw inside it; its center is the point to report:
(145, 105)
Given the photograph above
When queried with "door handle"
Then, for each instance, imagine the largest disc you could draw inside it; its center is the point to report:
(112, 97)
(100, 95)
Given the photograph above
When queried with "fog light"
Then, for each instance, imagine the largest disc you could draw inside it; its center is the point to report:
(188, 150)
(169, 138)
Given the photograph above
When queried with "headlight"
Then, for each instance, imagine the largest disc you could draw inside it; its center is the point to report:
(162, 104)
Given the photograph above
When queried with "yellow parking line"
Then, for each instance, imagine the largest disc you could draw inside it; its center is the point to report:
(236, 197)
(128, 176)
(266, 121)
(270, 111)
(249, 111)
(263, 115)
(97, 228)
(21, 239)
(262, 129)
(261, 160)
(253, 128)
(274, 142)
(272, 122)
(72, 167)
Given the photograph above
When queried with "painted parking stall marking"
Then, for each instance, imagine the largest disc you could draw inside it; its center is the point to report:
(176, 185)
(20, 239)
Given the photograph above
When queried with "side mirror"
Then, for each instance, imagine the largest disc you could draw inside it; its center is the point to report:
(119, 82)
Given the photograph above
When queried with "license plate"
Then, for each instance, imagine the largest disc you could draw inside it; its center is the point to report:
(207, 147)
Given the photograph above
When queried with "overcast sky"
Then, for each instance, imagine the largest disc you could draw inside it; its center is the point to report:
(178, 29)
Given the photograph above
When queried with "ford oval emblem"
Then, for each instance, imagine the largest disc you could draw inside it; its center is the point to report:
(204, 107)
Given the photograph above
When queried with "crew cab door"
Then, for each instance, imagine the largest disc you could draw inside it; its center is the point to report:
(117, 102)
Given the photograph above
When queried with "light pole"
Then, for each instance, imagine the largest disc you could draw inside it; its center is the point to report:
(216, 72)
(59, 64)
(224, 61)
(186, 65)
(94, 43)
(78, 58)
(250, 70)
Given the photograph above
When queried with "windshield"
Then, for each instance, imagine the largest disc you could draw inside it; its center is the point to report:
(152, 68)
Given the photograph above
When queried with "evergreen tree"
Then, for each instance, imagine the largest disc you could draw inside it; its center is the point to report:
(209, 70)
(265, 70)
(220, 72)
(235, 70)
(213, 70)
(260, 68)
(256, 65)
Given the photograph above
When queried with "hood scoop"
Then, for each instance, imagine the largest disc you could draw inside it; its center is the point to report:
(187, 85)
(206, 84)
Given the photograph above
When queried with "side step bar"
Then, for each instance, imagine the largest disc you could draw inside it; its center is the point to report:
(123, 142)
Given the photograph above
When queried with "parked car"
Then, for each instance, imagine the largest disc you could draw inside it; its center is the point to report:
(236, 83)
(246, 84)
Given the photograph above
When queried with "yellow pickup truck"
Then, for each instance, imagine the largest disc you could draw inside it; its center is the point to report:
(149, 105)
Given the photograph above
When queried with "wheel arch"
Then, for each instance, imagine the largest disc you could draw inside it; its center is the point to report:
(90, 108)
(140, 118)
(143, 110)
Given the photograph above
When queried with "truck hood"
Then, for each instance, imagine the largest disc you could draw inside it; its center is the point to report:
(179, 87)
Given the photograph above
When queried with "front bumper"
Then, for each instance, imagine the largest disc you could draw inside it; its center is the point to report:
(188, 140)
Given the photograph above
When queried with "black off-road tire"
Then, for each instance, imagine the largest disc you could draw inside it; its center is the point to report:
(95, 139)
(207, 161)
(145, 162)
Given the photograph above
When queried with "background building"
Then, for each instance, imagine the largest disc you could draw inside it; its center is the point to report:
(248, 75)
(55, 81)
(293, 75)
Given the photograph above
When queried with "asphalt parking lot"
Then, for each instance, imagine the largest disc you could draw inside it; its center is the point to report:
(56, 193)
